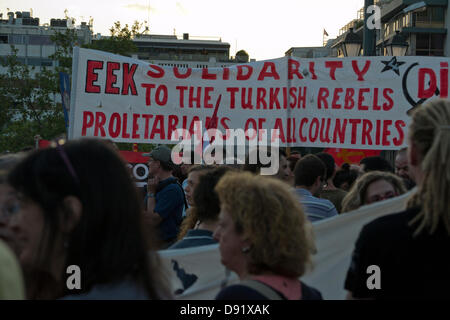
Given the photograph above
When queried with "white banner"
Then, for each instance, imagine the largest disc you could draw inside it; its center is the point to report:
(354, 102)
(197, 273)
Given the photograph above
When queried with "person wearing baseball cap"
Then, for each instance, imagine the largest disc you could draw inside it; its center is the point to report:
(165, 198)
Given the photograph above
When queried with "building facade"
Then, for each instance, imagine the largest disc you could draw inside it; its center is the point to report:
(424, 23)
(33, 41)
(169, 50)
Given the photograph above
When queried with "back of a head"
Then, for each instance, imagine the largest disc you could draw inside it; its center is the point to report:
(308, 169)
(207, 205)
(376, 163)
(328, 160)
(270, 216)
(356, 197)
(430, 133)
(345, 177)
(108, 241)
(7, 162)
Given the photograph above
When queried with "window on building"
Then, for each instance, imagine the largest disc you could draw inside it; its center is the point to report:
(39, 40)
(430, 44)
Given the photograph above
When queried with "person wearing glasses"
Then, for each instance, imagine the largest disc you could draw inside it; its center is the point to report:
(78, 209)
(309, 178)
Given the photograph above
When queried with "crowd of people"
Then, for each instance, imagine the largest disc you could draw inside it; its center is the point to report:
(76, 204)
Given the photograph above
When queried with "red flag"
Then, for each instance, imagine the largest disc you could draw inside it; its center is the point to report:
(325, 33)
(44, 144)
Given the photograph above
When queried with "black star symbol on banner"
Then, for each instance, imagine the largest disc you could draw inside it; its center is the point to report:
(393, 64)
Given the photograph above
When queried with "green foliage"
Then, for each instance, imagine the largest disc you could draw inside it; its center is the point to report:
(27, 98)
(242, 56)
(120, 41)
(27, 107)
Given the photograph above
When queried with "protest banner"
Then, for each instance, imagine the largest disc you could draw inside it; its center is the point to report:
(353, 102)
(197, 273)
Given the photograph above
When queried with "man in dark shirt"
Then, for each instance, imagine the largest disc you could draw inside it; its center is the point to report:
(165, 196)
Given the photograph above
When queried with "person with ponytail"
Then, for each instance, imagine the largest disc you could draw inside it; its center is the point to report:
(406, 255)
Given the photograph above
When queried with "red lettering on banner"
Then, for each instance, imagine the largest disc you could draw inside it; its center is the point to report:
(147, 118)
(125, 134)
(314, 122)
(325, 133)
(135, 130)
(378, 131)
(206, 103)
(180, 75)
(444, 80)
(249, 122)
(358, 72)
(88, 121)
(290, 131)
(194, 98)
(339, 131)
(301, 97)
(148, 89)
(159, 71)
(273, 98)
(300, 129)
(172, 127)
(260, 98)
(376, 107)
(354, 123)
(232, 92)
(128, 79)
(265, 73)
(293, 68)
(322, 98)
(279, 126)
(223, 122)
(292, 97)
(399, 125)
(311, 69)
(181, 90)
(241, 75)
(158, 127)
(390, 103)
(191, 127)
(333, 65)
(246, 104)
(161, 101)
(361, 99)
(386, 132)
(91, 76)
(334, 104)
(208, 76)
(114, 125)
(422, 92)
(285, 96)
(349, 102)
(226, 74)
(100, 120)
(366, 130)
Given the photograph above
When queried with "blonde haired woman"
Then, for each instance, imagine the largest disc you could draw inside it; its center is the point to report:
(262, 236)
(372, 187)
(408, 253)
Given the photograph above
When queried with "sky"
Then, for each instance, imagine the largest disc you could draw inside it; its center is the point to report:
(266, 29)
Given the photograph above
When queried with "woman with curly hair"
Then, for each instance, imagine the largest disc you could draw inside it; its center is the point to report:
(263, 237)
(372, 187)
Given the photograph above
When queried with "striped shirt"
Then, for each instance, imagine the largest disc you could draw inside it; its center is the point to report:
(195, 238)
(315, 208)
